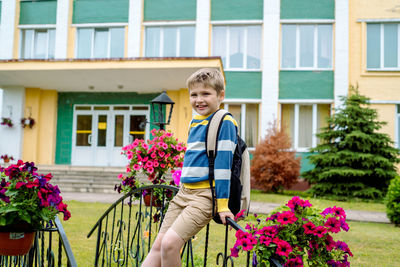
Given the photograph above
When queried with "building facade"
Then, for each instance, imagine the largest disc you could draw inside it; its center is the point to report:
(86, 70)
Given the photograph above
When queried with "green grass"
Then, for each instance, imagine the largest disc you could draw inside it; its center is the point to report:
(259, 196)
(372, 244)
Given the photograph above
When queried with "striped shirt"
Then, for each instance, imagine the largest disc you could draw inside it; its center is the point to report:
(195, 165)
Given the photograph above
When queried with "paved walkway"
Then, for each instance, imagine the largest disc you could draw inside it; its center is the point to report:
(256, 207)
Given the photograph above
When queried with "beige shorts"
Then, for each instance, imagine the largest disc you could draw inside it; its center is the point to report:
(188, 212)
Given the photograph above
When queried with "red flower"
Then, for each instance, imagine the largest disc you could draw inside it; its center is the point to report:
(320, 231)
(309, 228)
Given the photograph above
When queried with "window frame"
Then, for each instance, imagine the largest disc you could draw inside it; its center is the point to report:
(243, 104)
(382, 47)
(244, 24)
(162, 26)
(296, 113)
(93, 31)
(315, 23)
(36, 28)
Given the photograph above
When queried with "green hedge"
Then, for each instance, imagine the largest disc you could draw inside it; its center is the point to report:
(393, 201)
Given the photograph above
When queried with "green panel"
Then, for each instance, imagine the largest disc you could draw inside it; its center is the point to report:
(100, 11)
(169, 10)
(65, 114)
(306, 85)
(305, 164)
(243, 84)
(38, 12)
(307, 9)
(236, 9)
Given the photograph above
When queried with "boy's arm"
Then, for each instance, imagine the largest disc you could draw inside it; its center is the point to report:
(227, 140)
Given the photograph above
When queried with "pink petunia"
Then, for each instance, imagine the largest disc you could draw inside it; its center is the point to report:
(150, 169)
(136, 167)
(287, 217)
(333, 225)
(283, 248)
(309, 228)
(320, 231)
(338, 211)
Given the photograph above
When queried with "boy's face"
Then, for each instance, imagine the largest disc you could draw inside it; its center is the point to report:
(205, 100)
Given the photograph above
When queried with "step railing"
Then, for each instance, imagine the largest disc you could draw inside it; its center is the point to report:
(127, 229)
(51, 248)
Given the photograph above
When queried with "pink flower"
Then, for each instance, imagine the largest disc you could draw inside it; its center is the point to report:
(168, 134)
(309, 228)
(145, 146)
(161, 154)
(177, 177)
(150, 169)
(179, 147)
(333, 225)
(320, 231)
(136, 167)
(156, 164)
(283, 248)
(148, 164)
(338, 211)
(286, 217)
(145, 159)
(294, 262)
(120, 176)
(153, 155)
(162, 165)
(265, 240)
(234, 252)
(128, 169)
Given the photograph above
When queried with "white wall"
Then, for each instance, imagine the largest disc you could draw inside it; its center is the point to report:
(13, 102)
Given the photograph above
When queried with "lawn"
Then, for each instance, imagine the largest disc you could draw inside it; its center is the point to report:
(259, 196)
(373, 244)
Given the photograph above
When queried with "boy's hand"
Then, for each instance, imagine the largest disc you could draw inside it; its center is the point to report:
(223, 215)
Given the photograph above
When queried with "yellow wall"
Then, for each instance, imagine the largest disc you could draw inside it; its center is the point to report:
(375, 84)
(181, 115)
(40, 141)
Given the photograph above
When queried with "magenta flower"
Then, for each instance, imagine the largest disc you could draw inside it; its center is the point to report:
(287, 217)
(234, 252)
(338, 211)
(320, 231)
(309, 228)
(333, 225)
(283, 248)
(294, 262)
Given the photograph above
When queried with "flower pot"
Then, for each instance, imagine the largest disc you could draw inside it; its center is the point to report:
(14, 243)
(147, 199)
(7, 160)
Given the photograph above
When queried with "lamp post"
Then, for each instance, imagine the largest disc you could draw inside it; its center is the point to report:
(158, 105)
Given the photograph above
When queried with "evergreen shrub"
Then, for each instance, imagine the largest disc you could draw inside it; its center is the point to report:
(353, 159)
(274, 164)
(393, 201)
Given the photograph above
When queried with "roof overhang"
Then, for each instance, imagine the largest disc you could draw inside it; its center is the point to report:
(104, 75)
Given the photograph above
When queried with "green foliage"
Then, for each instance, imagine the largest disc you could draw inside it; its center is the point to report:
(354, 160)
(393, 201)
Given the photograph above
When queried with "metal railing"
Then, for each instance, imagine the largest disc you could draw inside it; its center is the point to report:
(126, 231)
(47, 250)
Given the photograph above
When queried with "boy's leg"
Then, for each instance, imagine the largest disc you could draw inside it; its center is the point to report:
(153, 259)
(171, 245)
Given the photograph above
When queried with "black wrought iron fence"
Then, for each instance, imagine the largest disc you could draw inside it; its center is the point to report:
(126, 231)
(51, 248)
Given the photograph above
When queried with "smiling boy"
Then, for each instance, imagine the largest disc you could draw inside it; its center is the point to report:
(191, 209)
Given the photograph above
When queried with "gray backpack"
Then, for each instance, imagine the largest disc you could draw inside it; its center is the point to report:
(239, 195)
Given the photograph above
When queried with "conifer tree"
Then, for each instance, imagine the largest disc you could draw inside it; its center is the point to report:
(353, 159)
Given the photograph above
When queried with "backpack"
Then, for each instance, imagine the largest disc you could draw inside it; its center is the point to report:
(239, 195)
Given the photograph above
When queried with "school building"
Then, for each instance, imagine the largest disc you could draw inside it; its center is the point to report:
(86, 70)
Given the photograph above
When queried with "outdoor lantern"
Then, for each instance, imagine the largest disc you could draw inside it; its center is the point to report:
(159, 106)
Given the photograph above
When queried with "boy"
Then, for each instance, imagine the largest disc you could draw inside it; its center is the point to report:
(191, 209)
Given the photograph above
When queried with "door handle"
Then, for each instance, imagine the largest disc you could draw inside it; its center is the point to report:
(89, 139)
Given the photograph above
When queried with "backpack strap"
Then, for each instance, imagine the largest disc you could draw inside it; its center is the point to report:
(212, 147)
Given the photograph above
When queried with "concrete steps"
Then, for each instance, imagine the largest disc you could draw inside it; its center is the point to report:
(83, 179)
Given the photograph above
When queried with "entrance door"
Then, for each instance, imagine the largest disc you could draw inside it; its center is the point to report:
(100, 132)
(128, 126)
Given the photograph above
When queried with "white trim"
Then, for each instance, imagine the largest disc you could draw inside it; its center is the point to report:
(236, 22)
(314, 125)
(307, 68)
(306, 101)
(7, 32)
(378, 20)
(270, 63)
(241, 100)
(384, 69)
(38, 26)
(341, 74)
(61, 36)
(307, 21)
(296, 126)
(241, 69)
(384, 102)
(202, 31)
(134, 27)
(100, 25)
(169, 23)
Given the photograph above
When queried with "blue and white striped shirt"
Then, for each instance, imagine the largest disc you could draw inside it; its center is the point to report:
(195, 165)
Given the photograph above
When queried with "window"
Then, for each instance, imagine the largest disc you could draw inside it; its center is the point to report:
(238, 46)
(101, 42)
(169, 41)
(383, 47)
(302, 121)
(246, 115)
(37, 43)
(306, 46)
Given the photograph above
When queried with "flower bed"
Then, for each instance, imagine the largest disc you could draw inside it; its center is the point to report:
(296, 234)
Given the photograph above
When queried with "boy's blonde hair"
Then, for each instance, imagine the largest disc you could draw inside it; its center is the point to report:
(208, 78)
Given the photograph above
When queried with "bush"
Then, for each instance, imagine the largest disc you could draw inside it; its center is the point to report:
(274, 164)
(393, 201)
